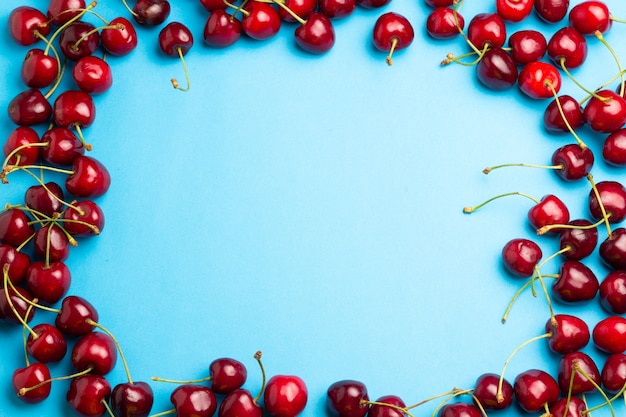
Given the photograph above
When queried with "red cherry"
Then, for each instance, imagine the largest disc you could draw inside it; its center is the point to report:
(609, 335)
(569, 333)
(120, 37)
(175, 38)
(151, 12)
(613, 197)
(579, 241)
(497, 70)
(514, 10)
(21, 137)
(221, 29)
(92, 74)
(614, 148)
(567, 47)
(49, 345)
(132, 399)
(575, 283)
(31, 376)
(285, 396)
(347, 398)
(17, 297)
(487, 30)
(227, 375)
(613, 292)
(586, 375)
(392, 32)
(589, 17)
(239, 403)
(95, 351)
(613, 249)
(62, 148)
(262, 21)
(316, 35)
(90, 178)
(459, 410)
(51, 243)
(212, 5)
(84, 218)
(554, 122)
(48, 283)
(613, 373)
(301, 8)
(25, 23)
(78, 40)
(74, 108)
(29, 108)
(372, 4)
(46, 199)
(62, 11)
(88, 394)
(336, 9)
(381, 410)
(568, 407)
(75, 316)
(551, 11)
(575, 161)
(539, 80)
(549, 211)
(520, 256)
(486, 392)
(607, 113)
(444, 23)
(439, 3)
(39, 70)
(15, 227)
(527, 46)
(535, 389)
(18, 263)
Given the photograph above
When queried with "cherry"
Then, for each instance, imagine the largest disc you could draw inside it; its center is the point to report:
(316, 35)
(551, 11)
(88, 394)
(213, 5)
(575, 161)
(26, 25)
(285, 396)
(51, 243)
(18, 263)
(553, 120)
(21, 137)
(89, 178)
(486, 392)
(613, 249)
(567, 48)
(486, 30)
(96, 351)
(46, 343)
(539, 80)
(303, 8)
(29, 108)
(609, 335)
(347, 398)
(497, 70)
(15, 227)
(151, 12)
(605, 112)
(392, 32)
(527, 46)
(459, 410)
(549, 211)
(239, 403)
(444, 23)
(589, 17)
(534, 389)
(568, 407)
(119, 37)
(514, 10)
(78, 40)
(221, 29)
(614, 148)
(62, 11)
(336, 9)
(48, 282)
(374, 4)
(92, 74)
(262, 21)
(578, 373)
(612, 194)
(62, 146)
(520, 256)
(35, 374)
(175, 39)
(567, 333)
(227, 375)
(76, 316)
(132, 399)
(580, 239)
(83, 218)
(17, 296)
(39, 70)
(439, 3)
(613, 375)
(380, 409)
(46, 199)
(74, 108)
(613, 292)
(575, 283)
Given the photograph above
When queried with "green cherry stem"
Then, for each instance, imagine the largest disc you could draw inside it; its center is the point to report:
(403, 410)
(545, 229)
(605, 217)
(562, 113)
(607, 402)
(117, 344)
(468, 210)
(173, 80)
(600, 37)
(257, 356)
(69, 22)
(24, 390)
(7, 283)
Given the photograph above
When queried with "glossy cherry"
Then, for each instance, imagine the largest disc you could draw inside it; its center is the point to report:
(132, 399)
(227, 375)
(514, 10)
(15, 227)
(568, 407)
(18, 263)
(336, 9)
(539, 80)
(62, 146)
(392, 32)
(316, 35)
(25, 23)
(151, 12)
(74, 108)
(613, 197)
(605, 112)
(285, 395)
(614, 148)
(21, 137)
(261, 21)
(575, 161)
(49, 344)
(553, 119)
(567, 47)
(551, 11)
(586, 375)
(568, 333)
(83, 218)
(439, 3)
(613, 374)
(51, 243)
(497, 70)
(613, 249)
(221, 29)
(75, 316)
(534, 389)
(609, 335)
(78, 40)
(29, 108)
(89, 179)
(95, 351)
(613, 292)
(347, 398)
(26, 378)
(444, 23)
(527, 46)
(576, 283)
(239, 403)
(62, 11)
(213, 5)
(589, 17)
(92, 74)
(486, 392)
(46, 199)
(16, 297)
(520, 256)
(48, 282)
(39, 69)
(459, 410)
(301, 8)
(550, 210)
(87, 395)
(175, 38)
(381, 410)
(119, 37)
(579, 240)
(487, 30)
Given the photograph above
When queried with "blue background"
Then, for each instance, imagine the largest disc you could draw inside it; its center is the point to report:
(311, 207)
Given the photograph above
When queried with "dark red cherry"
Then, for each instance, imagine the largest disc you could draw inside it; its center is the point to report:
(581, 370)
(92, 74)
(25, 23)
(459, 410)
(514, 10)
(614, 148)
(372, 4)
(567, 47)
(120, 37)
(29, 108)
(17, 297)
(285, 396)
(392, 32)
(520, 256)
(569, 333)
(221, 29)
(444, 23)
(613, 373)
(239, 403)
(18, 263)
(609, 335)
(439, 3)
(539, 80)
(568, 407)
(51, 243)
(75, 316)
(534, 389)
(262, 21)
(48, 346)
(95, 351)
(605, 115)
(62, 148)
(576, 283)
(175, 38)
(212, 5)
(316, 35)
(486, 30)
(301, 8)
(78, 40)
(553, 120)
(74, 107)
(46, 199)
(613, 292)
(527, 46)
(132, 399)
(550, 210)
(497, 70)
(590, 16)
(90, 178)
(83, 218)
(39, 70)
(336, 9)
(151, 12)
(486, 392)
(576, 161)
(29, 377)
(15, 227)
(48, 282)
(344, 399)
(88, 394)
(381, 410)
(227, 375)
(62, 11)
(551, 11)
(613, 197)
(579, 241)
(21, 137)
(613, 249)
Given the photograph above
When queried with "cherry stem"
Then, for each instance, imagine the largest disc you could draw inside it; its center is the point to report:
(615, 57)
(457, 59)
(607, 402)
(164, 413)
(562, 113)
(479, 405)
(499, 395)
(34, 302)
(288, 10)
(545, 229)
(394, 43)
(79, 131)
(11, 154)
(615, 77)
(489, 169)
(547, 295)
(24, 390)
(257, 356)
(130, 10)
(455, 8)
(118, 26)
(7, 283)
(69, 22)
(117, 344)
(615, 397)
(454, 393)
(571, 77)
(605, 217)
(173, 80)
(61, 67)
(403, 410)
(473, 209)
(105, 404)
(25, 338)
(237, 8)
(182, 381)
